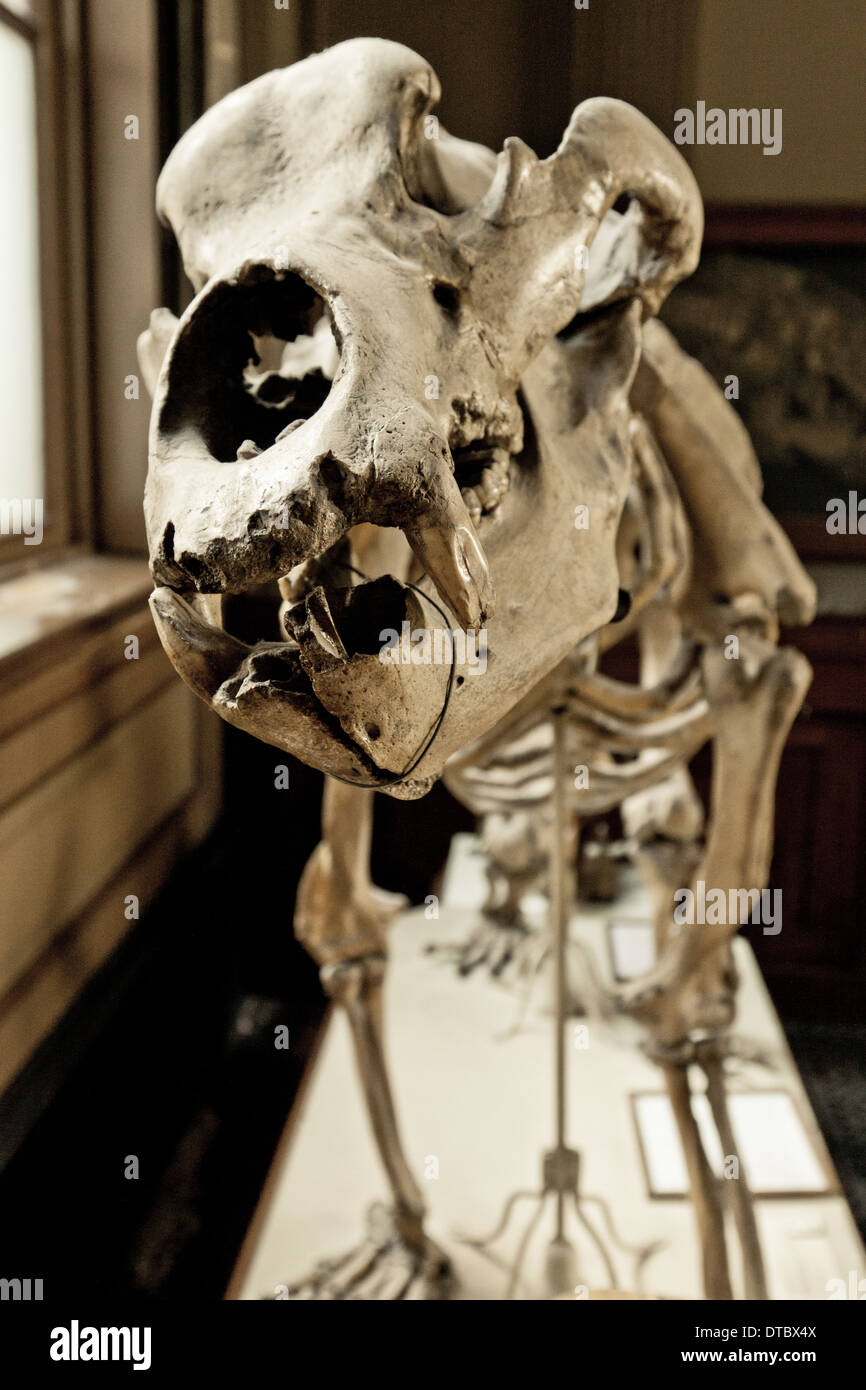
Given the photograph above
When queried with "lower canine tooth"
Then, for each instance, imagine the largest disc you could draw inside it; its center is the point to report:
(204, 656)
(248, 450)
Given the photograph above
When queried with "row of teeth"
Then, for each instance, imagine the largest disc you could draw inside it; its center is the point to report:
(485, 495)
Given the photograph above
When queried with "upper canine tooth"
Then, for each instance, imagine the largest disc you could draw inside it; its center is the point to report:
(444, 541)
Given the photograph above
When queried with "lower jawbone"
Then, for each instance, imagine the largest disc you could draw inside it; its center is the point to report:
(327, 697)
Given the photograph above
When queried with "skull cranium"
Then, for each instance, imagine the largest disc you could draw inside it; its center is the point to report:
(373, 340)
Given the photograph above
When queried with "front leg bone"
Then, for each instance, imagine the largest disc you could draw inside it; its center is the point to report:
(754, 702)
(357, 985)
(342, 918)
(704, 1188)
(737, 1192)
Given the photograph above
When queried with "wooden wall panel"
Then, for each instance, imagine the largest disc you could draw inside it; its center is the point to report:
(34, 751)
(38, 999)
(504, 65)
(65, 839)
(803, 59)
(642, 54)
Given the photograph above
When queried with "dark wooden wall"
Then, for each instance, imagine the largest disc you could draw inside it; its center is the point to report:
(505, 65)
(816, 966)
(514, 67)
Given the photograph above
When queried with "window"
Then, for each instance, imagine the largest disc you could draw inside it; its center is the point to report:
(39, 251)
(21, 460)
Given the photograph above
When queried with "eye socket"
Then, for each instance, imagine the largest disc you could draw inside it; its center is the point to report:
(446, 296)
(258, 358)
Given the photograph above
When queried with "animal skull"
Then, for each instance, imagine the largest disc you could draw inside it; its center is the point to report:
(373, 340)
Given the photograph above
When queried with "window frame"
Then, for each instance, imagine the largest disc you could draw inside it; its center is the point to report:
(54, 30)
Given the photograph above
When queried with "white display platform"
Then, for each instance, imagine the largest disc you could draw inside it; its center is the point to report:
(483, 1108)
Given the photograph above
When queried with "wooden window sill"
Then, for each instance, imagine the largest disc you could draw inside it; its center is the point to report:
(46, 610)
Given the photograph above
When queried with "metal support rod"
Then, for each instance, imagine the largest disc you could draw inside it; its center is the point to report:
(561, 1165)
(560, 900)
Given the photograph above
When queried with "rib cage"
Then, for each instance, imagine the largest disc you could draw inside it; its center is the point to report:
(623, 751)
